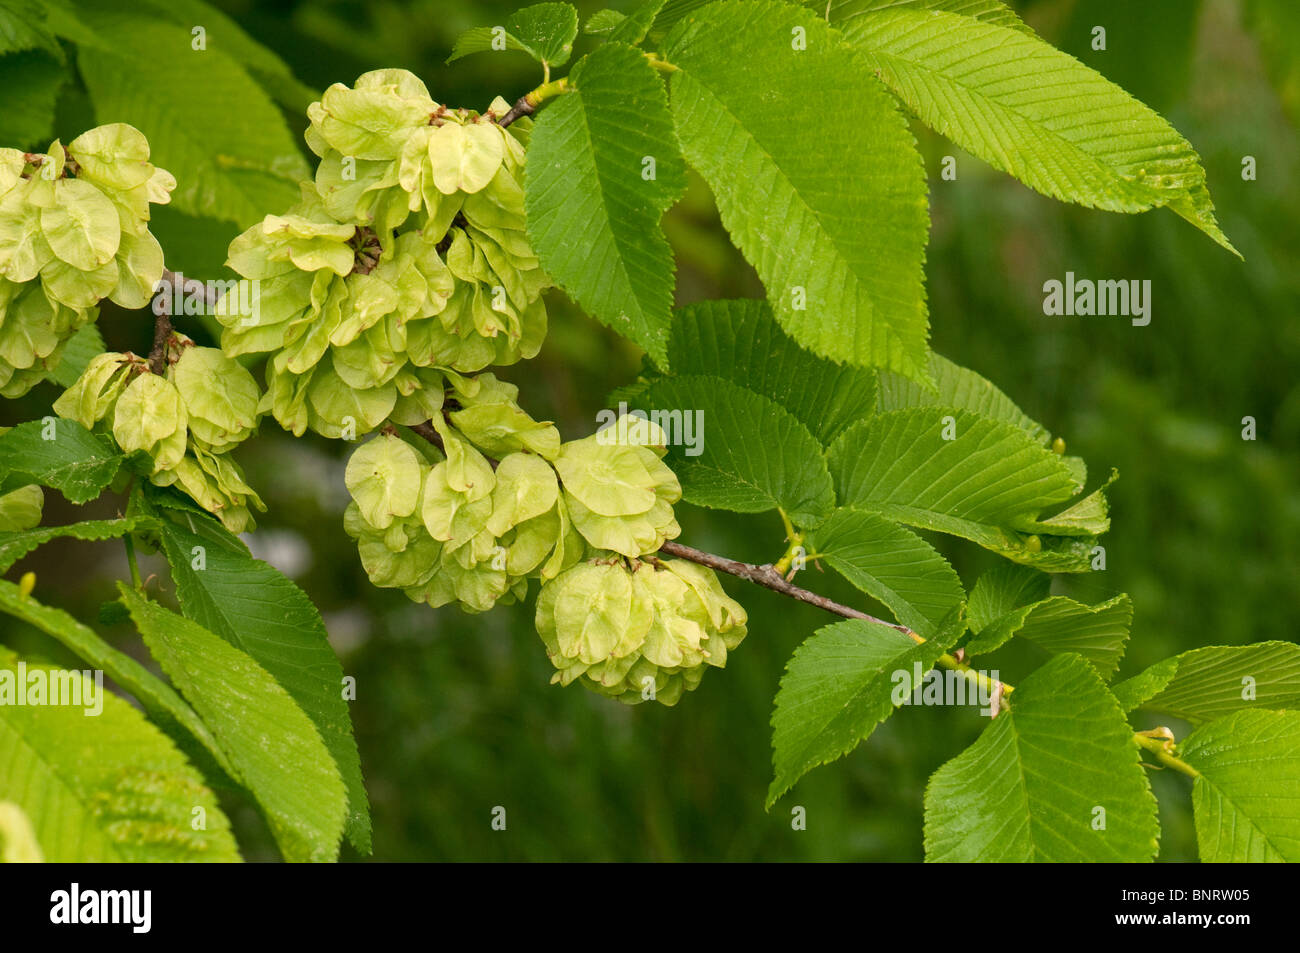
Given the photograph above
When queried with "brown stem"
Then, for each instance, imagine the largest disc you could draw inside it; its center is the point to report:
(162, 333)
(426, 431)
(522, 107)
(766, 576)
(769, 578)
(527, 105)
(162, 325)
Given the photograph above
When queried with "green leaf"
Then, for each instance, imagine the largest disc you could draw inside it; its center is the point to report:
(31, 81)
(978, 485)
(1089, 517)
(842, 682)
(989, 11)
(831, 212)
(271, 742)
(1058, 624)
(1245, 801)
(74, 461)
(748, 454)
(22, 27)
(1027, 108)
(1208, 683)
(1049, 553)
(106, 787)
(892, 565)
(158, 698)
(593, 215)
(85, 344)
(741, 342)
(633, 28)
(673, 12)
(958, 389)
(1028, 789)
(237, 164)
(230, 596)
(20, 510)
(480, 39)
(545, 31)
(226, 36)
(1005, 587)
(14, 546)
(173, 505)
(602, 22)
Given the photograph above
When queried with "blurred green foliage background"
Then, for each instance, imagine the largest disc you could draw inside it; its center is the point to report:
(454, 713)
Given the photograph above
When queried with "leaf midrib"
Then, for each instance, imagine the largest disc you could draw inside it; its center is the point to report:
(56, 777)
(1156, 197)
(896, 339)
(1240, 814)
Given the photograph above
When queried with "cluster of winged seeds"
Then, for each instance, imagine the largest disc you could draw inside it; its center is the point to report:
(504, 501)
(454, 524)
(379, 301)
(638, 630)
(186, 420)
(74, 229)
(406, 254)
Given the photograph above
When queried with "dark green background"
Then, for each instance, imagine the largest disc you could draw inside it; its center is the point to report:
(454, 714)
